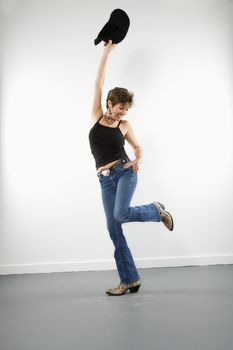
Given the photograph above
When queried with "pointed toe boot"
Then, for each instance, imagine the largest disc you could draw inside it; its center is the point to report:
(123, 288)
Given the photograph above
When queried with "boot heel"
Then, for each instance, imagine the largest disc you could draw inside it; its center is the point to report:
(134, 289)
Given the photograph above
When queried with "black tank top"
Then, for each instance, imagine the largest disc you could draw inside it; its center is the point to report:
(106, 143)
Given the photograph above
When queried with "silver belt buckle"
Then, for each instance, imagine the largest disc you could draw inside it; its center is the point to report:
(105, 172)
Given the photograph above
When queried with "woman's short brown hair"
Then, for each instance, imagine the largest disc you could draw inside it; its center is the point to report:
(120, 95)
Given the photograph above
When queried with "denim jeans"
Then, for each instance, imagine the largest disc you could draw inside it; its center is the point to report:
(117, 190)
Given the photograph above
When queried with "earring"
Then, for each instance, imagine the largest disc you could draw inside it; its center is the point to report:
(110, 112)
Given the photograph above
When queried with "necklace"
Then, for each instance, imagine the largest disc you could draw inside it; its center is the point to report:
(108, 120)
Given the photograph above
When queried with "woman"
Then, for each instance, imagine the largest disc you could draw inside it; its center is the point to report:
(117, 174)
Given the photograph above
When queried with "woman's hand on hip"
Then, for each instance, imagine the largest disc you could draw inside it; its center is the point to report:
(134, 164)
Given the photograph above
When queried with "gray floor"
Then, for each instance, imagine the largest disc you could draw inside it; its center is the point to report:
(176, 308)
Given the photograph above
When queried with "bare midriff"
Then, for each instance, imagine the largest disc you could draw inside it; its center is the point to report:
(107, 166)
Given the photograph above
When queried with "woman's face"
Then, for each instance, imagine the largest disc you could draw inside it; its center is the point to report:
(119, 110)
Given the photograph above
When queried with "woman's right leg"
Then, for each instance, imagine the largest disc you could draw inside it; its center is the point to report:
(124, 261)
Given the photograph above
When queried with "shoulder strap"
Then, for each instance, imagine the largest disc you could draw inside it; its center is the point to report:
(100, 118)
(119, 123)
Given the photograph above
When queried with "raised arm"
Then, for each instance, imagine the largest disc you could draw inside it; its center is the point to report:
(99, 82)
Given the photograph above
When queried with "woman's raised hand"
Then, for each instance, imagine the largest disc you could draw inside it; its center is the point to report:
(108, 47)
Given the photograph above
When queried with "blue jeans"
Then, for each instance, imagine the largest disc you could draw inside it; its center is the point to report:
(117, 190)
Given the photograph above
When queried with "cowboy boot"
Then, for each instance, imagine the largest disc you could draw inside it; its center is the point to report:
(122, 288)
(166, 217)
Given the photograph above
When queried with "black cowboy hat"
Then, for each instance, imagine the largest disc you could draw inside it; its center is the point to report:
(115, 29)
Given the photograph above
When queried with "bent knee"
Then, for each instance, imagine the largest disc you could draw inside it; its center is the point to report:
(121, 216)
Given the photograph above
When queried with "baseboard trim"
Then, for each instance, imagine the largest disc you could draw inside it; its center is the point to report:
(110, 264)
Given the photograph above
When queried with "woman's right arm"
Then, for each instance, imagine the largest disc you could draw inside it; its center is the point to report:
(99, 81)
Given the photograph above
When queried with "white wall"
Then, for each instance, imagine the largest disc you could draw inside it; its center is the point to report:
(177, 59)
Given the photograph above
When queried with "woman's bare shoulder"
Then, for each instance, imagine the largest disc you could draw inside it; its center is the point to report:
(125, 123)
(124, 126)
